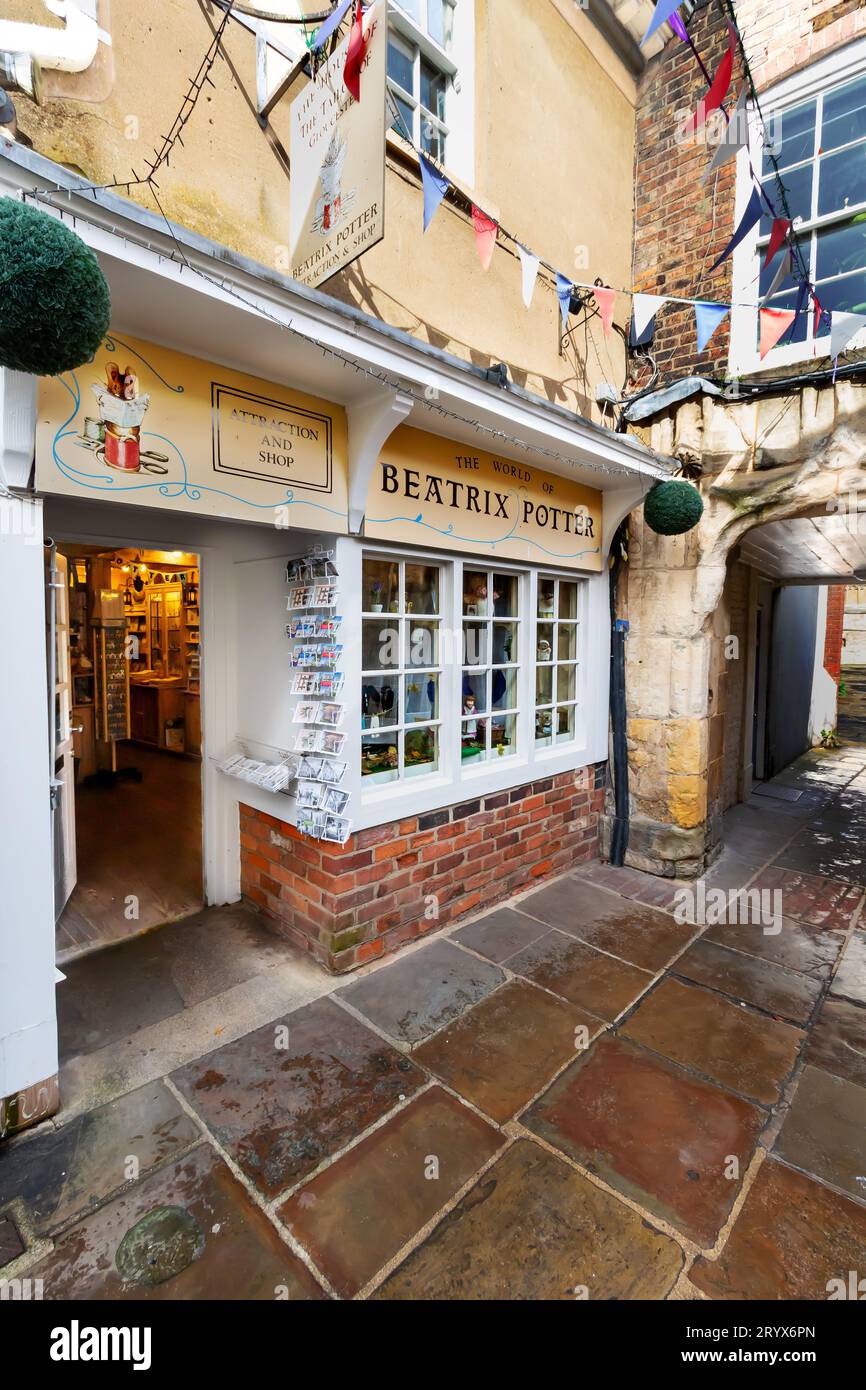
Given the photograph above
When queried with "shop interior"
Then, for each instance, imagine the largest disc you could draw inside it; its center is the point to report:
(128, 818)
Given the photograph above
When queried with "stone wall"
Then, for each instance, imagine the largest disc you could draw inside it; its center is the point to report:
(388, 885)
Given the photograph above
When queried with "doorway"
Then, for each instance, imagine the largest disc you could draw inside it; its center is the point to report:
(126, 741)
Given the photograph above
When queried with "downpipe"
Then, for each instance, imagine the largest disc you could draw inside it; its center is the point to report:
(620, 827)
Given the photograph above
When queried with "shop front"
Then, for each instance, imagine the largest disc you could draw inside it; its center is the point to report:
(369, 693)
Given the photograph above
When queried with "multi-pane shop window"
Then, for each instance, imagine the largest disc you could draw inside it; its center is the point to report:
(401, 644)
(491, 655)
(556, 664)
(419, 72)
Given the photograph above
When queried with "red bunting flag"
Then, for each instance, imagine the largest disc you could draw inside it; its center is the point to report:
(774, 322)
(485, 235)
(721, 83)
(355, 55)
(819, 314)
(606, 301)
(779, 233)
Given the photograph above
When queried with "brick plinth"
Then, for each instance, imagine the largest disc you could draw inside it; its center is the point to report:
(390, 884)
(835, 631)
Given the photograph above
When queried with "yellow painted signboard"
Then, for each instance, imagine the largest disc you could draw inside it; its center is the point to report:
(148, 426)
(429, 491)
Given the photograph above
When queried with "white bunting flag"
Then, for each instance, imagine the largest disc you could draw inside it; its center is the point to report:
(843, 328)
(529, 269)
(781, 275)
(736, 136)
(644, 307)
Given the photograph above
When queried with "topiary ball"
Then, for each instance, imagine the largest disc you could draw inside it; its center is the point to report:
(672, 508)
(55, 305)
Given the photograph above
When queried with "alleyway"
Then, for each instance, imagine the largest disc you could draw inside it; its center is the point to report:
(576, 1095)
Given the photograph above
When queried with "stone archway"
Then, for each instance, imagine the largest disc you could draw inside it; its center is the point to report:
(767, 460)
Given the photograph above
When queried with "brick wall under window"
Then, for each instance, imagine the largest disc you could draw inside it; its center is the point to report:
(352, 903)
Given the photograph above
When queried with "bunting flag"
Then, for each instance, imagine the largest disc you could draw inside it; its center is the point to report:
(678, 27)
(355, 55)
(820, 315)
(844, 327)
(331, 24)
(485, 235)
(606, 301)
(529, 264)
(644, 308)
(736, 136)
(435, 187)
(750, 218)
(774, 322)
(663, 10)
(564, 290)
(707, 319)
(781, 228)
(721, 83)
(780, 276)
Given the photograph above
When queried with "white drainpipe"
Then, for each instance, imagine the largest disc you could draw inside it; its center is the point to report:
(72, 49)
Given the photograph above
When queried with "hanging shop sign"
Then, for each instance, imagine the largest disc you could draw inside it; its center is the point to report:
(436, 492)
(337, 188)
(155, 428)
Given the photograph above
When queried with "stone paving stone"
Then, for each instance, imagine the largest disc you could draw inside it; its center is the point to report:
(11, 1244)
(189, 1231)
(59, 1174)
(417, 994)
(355, 1216)
(603, 985)
(850, 979)
(280, 1111)
(791, 1238)
(796, 946)
(837, 1042)
(755, 834)
(653, 1132)
(502, 932)
(825, 1131)
(532, 1228)
(744, 1051)
(824, 853)
(732, 870)
(637, 933)
(501, 1053)
(567, 902)
(758, 982)
(811, 898)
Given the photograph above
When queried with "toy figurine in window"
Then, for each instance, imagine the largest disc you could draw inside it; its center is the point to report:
(545, 601)
(544, 652)
(376, 597)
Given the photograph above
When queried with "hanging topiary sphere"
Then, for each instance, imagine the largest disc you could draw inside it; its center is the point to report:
(671, 508)
(54, 301)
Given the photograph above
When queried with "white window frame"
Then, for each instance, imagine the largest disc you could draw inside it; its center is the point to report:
(557, 621)
(458, 65)
(455, 782)
(838, 68)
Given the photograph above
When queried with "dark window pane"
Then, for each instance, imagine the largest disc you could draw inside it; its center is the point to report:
(844, 115)
(768, 275)
(842, 180)
(399, 64)
(432, 140)
(792, 137)
(433, 89)
(841, 250)
(847, 295)
(403, 125)
(797, 184)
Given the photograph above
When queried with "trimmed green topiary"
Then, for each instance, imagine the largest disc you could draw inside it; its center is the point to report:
(672, 508)
(54, 301)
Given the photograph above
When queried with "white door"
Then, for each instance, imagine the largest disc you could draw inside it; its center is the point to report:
(63, 772)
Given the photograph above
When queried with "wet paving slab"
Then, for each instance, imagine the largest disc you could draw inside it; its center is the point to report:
(791, 1240)
(824, 1132)
(636, 933)
(795, 945)
(533, 1228)
(188, 1231)
(508, 1047)
(837, 1042)
(813, 899)
(357, 1215)
(60, 1174)
(849, 982)
(284, 1098)
(419, 993)
(594, 981)
(501, 934)
(674, 1144)
(567, 903)
(758, 982)
(733, 1046)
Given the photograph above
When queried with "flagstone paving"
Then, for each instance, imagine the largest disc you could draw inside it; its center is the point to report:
(575, 1095)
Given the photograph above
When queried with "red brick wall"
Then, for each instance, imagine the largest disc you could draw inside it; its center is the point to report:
(350, 903)
(681, 222)
(835, 629)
